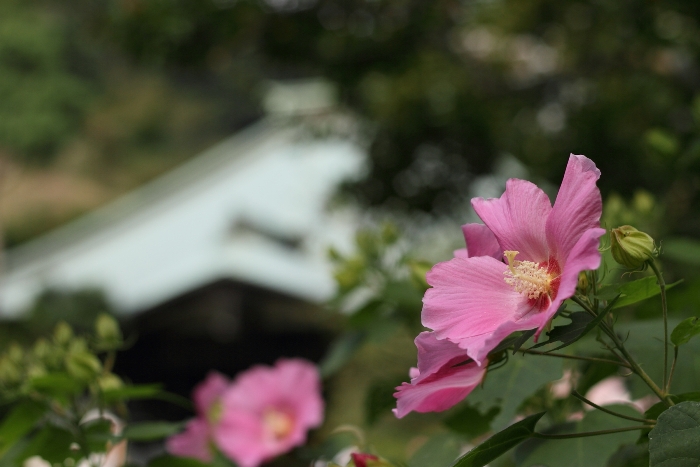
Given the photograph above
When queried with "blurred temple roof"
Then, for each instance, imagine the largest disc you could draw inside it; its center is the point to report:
(252, 209)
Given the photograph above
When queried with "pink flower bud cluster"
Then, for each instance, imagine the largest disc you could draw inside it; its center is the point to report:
(264, 412)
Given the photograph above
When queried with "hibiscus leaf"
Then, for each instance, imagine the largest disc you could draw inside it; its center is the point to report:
(522, 339)
(500, 443)
(686, 330)
(674, 440)
(636, 291)
(581, 452)
(511, 385)
(440, 449)
(469, 421)
(581, 324)
(18, 422)
(569, 333)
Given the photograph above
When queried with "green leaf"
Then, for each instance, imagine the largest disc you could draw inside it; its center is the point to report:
(342, 350)
(674, 440)
(636, 291)
(470, 422)
(683, 250)
(510, 385)
(568, 333)
(657, 409)
(52, 444)
(522, 339)
(149, 431)
(500, 443)
(686, 330)
(18, 423)
(441, 449)
(142, 391)
(591, 451)
(57, 384)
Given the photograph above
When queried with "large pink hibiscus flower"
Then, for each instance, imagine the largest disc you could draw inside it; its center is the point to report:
(477, 300)
(441, 380)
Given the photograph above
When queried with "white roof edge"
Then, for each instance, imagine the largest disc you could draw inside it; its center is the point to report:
(91, 224)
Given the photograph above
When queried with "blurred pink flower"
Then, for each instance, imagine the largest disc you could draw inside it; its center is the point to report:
(437, 384)
(612, 390)
(268, 410)
(196, 440)
(477, 301)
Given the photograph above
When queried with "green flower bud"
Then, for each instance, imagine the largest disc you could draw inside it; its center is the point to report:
(630, 247)
(110, 381)
(109, 336)
(583, 283)
(80, 362)
(63, 333)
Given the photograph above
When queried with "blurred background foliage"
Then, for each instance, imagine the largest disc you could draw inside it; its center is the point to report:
(118, 91)
(97, 97)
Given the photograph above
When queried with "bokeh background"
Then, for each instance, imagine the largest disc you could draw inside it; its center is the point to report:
(420, 105)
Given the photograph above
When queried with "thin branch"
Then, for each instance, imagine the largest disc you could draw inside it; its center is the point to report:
(592, 433)
(664, 312)
(575, 357)
(673, 368)
(608, 411)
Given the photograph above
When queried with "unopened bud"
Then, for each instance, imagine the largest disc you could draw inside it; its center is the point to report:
(630, 247)
(109, 336)
(63, 333)
(583, 284)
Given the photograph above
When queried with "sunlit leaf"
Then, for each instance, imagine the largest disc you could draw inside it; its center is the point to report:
(500, 443)
(674, 440)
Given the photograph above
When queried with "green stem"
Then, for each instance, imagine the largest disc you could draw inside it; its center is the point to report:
(640, 372)
(664, 312)
(575, 357)
(603, 409)
(673, 368)
(592, 433)
(621, 347)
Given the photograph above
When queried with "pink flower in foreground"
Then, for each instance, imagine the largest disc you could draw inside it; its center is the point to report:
(478, 300)
(268, 410)
(195, 441)
(440, 381)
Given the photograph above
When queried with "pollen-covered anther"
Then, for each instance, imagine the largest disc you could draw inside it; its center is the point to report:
(527, 277)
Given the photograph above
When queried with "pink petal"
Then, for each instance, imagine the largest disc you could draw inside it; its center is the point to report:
(469, 301)
(577, 208)
(193, 442)
(443, 382)
(208, 392)
(481, 241)
(584, 256)
(517, 219)
(433, 354)
(240, 436)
